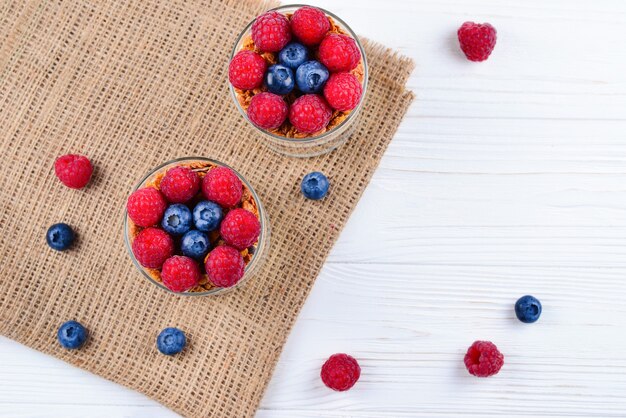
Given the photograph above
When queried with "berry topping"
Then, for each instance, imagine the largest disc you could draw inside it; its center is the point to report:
(180, 184)
(343, 91)
(267, 110)
(310, 113)
(180, 273)
(311, 77)
(224, 266)
(176, 219)
(340, 372)
(240, 228)
(60, 236)
(246, 70)
(72, 335)
(152, 247)
(483, 359)
(171, 341)
(207, 216)
(293, 55)
(528, 309)
(73, 170)
(309, 25)
(222, 186)
(477, 40)
(279, 79)
(195, 244)
(314, 185)
(339, 53)
(270, 32)
(146, 206)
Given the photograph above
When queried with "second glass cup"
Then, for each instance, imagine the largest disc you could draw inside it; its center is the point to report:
(253, 256)
(289, 141)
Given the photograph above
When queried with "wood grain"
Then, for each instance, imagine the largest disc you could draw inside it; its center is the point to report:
(507, 177)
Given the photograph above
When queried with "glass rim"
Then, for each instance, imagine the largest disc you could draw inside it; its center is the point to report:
(352, 114)
(262, 235)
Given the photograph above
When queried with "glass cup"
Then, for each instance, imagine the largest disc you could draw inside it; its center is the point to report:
(313, 145)
(200, 164)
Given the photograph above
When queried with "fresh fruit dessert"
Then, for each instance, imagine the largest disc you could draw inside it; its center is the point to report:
(195, 226)
(297, 74)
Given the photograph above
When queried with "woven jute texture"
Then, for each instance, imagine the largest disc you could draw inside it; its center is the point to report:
(131, 85)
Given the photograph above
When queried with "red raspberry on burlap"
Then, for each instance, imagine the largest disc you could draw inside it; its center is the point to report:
(73, 170)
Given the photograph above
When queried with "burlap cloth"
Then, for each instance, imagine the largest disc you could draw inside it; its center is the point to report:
(131, 85)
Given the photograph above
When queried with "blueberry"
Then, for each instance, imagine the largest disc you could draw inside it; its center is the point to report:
(528, 309)
(176, 219)
(72, 335)
(311, 76)
(60, 236)
(279, 79)
(195, 244)
(207, 215)
(171, 341)
(293, 55)
(314, 185)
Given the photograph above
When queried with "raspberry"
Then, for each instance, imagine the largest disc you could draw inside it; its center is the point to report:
(222, 186)
(340, 372)
(477, 40)
(309, 25)
(267, 110)
(246, 70)
(180, 184)
(339, 53)
(73, 170)
(343, 91)
(180, 273)
(270, 32)
(240, 228)
(152, 247)
(146, 206)
(483, 359)
(310, 113)
(224, 266)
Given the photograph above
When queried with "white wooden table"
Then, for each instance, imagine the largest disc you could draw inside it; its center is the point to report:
(507, 177)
